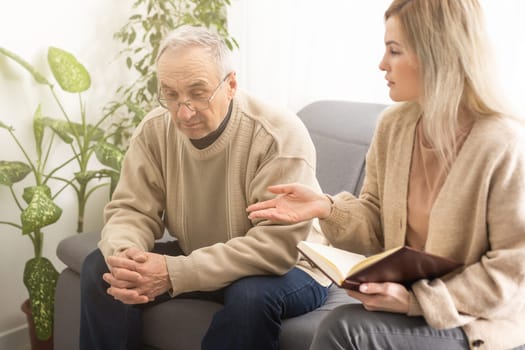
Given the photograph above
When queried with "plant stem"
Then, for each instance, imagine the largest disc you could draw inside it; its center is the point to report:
(90, 192)
(81, 207)
(25, 155)
(50, 175)
(38, 243)
(67, 184)
(10, 224)
(15, 198)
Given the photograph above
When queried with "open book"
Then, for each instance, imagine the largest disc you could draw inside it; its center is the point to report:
(403, 265)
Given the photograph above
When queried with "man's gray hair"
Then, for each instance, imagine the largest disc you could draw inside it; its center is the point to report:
(192, 36)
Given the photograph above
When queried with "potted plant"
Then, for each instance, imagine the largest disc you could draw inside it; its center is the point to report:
(38, 210)
(36, 201)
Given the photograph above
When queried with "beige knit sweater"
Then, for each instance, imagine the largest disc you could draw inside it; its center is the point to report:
(164, 176)
(478, 218)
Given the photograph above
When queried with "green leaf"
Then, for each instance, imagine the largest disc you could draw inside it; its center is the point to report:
(12, 172)
(40, 279)
(138, 112)
(71, 75)
(60, 127)
(39, 78)
(30, 191)
(114, 176)
(96, 133)
(84, 177)
(109, 155)
(152, 86)
(38, 130)
(132, 37)
(41, 211)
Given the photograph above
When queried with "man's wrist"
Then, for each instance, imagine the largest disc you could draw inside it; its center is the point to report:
(168, 277)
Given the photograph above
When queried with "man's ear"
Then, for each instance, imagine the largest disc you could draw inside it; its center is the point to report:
(232, 84)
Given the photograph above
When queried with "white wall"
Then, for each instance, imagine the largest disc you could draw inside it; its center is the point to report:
(293, 52)
(296, 51)
(84, 28)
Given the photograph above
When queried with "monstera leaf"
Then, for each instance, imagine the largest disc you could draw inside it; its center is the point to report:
(11, 172)
(41, 211)
(71, 75)
(40, 279)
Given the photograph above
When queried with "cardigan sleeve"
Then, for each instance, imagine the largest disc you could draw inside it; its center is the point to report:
(355, 222)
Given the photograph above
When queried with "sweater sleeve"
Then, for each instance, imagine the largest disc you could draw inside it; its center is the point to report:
(492, 287)
(266, 248)
(133, 218)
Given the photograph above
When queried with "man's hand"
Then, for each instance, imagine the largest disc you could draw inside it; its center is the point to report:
(137, 277)
(390, 297)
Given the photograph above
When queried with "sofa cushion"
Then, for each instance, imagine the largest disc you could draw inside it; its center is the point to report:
(73, 250)
(341, 145)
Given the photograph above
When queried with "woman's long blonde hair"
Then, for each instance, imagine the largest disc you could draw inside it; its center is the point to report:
(449, 40)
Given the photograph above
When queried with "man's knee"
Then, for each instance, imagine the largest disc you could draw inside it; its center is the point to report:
(93, 268)
(247, 294)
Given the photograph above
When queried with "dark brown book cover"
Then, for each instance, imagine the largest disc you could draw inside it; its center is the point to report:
(402, 265)
(405, 266)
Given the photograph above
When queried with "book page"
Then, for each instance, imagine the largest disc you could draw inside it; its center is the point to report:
(370, 260)
(331, 260)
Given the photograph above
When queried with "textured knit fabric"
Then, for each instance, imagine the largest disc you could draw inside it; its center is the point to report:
(478, 218)
(200, 196)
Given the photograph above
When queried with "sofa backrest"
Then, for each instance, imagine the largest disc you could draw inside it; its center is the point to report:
(341, 132)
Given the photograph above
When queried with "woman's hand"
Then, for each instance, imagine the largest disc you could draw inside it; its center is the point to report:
(390, 297)
(294, 203)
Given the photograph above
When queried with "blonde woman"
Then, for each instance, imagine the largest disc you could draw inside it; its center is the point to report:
(445, 174)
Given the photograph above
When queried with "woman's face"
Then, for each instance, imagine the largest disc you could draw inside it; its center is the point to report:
(400, 64)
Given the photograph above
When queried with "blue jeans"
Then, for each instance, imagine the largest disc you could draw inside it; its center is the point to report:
(250, 319)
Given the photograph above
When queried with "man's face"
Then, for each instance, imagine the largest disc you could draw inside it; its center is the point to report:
(188, 75)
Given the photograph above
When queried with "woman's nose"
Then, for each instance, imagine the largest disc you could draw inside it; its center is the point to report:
(383, 64)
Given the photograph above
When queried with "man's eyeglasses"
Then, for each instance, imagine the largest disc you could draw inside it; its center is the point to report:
(193, 104)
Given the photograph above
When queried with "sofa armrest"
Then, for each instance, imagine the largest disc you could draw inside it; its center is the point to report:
(73, 250)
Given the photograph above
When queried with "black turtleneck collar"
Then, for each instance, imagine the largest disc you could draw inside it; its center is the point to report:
(214, 135)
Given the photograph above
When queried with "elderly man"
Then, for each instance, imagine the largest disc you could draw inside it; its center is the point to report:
(193, 166)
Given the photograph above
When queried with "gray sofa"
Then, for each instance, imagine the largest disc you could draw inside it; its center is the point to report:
(341, 132)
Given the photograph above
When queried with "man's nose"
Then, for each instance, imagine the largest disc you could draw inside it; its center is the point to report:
(184, 112)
